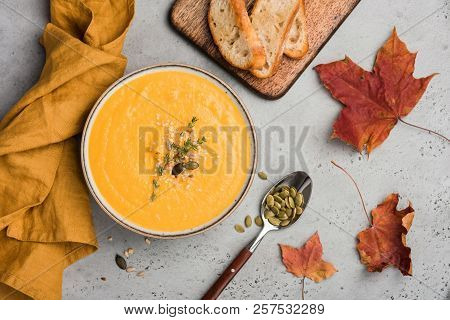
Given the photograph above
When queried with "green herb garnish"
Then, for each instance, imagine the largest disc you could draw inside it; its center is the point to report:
(180, 152)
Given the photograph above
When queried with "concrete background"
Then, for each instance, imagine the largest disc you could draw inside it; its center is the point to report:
(410, 162)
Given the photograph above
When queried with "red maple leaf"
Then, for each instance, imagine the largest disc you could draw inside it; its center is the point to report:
(384, 243)
(374, 101)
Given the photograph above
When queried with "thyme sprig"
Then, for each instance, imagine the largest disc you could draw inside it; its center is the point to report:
(180, 152)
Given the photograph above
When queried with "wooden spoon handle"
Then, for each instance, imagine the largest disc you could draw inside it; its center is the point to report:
(228, 275)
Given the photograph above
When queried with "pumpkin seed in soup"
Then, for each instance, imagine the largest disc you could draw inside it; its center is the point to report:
(191, 165)
(239, 228)
(248, 221)
(258, 221)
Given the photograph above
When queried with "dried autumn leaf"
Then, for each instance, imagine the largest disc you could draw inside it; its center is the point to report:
(374, 101)
(307, 260)
(384, 243)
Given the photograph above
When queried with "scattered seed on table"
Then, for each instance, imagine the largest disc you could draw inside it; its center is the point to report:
(131, 269)
(147, 241)
(121, 262)
(239, 228)
(103, 278)
(130, 251)
(140, 274)
(248, 221)
(109, 238)
(258, 221)
(262, 175)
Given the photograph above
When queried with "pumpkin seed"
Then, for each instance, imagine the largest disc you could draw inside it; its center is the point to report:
(299, 210)
(239, 228)
(289, 212)
(282, 216)
(191, 165)
(293, 192)
(283, 209)
(278, 199)
(274, 221)
(268, 213)
(131, 269)
(258, 221)
(277, 205)
(248, 221)
(291, 202)
(121, 262)
(298, 199)
(285, 188)
(270, 200)
(262, 175)
(284, 223)
(284, 194)
(177, 169)
(275, 210)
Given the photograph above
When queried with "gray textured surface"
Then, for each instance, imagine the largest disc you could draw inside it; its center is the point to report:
(410, 162)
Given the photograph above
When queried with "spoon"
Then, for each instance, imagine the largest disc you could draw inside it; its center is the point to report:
(299, 180)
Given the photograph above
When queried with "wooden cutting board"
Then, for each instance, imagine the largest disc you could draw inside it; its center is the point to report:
(324, 17)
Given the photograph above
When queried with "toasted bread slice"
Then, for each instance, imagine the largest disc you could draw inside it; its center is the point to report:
(297, 40)
(233, 33)
(272, 20)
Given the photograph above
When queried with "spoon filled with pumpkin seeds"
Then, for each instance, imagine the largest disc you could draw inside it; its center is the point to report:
(281, 207)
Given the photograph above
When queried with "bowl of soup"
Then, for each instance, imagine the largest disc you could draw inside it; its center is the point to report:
(169, 151)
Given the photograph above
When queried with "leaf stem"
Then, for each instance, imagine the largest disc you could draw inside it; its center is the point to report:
(424, 129)
(357, 188)
(303, 288)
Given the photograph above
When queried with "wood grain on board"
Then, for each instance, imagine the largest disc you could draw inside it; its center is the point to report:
(189, 17)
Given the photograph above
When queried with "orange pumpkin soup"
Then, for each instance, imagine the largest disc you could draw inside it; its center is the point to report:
(151, 124)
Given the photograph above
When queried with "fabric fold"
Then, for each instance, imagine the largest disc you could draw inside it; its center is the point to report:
(45, 219)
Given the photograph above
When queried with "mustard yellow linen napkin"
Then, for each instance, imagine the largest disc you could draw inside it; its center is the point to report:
(45, 219)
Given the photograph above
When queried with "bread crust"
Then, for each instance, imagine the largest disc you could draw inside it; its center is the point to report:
(257, 52)
(302, 50)
(280, 50)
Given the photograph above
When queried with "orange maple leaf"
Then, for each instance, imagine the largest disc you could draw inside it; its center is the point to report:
(374, 101)
(307, 260)
(384, 243)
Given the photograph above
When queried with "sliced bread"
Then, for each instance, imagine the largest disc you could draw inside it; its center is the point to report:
(233, 33)
(297, 40)
(272, 20)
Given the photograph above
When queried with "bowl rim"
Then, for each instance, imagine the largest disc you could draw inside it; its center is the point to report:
(205, 227)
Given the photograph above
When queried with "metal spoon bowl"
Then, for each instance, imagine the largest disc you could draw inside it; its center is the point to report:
(299, 180)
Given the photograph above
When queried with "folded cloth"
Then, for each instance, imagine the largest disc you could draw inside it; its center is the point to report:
(45, 219)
